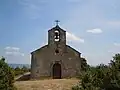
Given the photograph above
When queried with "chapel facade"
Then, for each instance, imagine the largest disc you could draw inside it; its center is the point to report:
(56, 59)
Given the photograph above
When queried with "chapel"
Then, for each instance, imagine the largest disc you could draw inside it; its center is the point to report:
(56, 59)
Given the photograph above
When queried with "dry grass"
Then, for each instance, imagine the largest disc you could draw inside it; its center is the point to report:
(52, 84)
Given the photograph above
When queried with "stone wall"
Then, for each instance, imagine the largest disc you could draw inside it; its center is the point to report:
(44, 58)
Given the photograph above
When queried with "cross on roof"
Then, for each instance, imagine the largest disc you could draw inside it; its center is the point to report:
(57, 21)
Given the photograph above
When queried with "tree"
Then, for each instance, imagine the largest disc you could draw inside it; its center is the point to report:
(18, 71)
(102, 77)
(84, 64)
(6, 76)
(25, 69)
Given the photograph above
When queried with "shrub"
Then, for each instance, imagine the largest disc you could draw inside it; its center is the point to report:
(19, 71)
(101, 77)
(6, 76)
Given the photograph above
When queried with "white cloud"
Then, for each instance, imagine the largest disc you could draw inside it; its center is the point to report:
(117, 44)
(12, 48)
(95, 31)
(15, 51)
(114, 49)
(71, 37)
(114, 23)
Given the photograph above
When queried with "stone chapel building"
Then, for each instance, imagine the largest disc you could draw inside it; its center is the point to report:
(56, 60)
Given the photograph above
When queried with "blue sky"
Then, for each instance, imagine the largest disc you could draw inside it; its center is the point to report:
(93, 27)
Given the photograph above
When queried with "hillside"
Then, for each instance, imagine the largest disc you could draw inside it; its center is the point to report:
(51, 84)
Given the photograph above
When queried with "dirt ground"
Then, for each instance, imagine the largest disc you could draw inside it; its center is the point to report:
(51, 84)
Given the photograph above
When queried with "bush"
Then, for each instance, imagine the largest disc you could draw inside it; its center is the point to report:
(6, 76)
(19, 71)
(101, 77)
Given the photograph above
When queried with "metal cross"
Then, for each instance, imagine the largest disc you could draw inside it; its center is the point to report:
(57, 21)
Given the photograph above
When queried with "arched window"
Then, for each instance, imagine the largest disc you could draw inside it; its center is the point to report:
(56, 35)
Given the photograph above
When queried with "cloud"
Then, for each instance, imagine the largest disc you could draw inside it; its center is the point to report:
(15, 51)
(95, 31)
(115, 49)
(71, 37)
(12, 48)
(117, 44)
(114, 23)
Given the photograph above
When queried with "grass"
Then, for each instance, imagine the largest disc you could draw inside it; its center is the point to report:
(50, 84)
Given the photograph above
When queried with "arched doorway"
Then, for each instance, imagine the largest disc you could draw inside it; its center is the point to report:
(56, 71)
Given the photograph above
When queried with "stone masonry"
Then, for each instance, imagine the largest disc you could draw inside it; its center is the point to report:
(66, 59)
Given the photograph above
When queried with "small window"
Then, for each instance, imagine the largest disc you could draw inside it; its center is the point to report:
(56, 51)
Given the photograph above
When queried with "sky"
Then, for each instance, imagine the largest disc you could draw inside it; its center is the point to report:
(92, 27)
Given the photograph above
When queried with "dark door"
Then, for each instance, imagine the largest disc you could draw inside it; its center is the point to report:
(56, 71)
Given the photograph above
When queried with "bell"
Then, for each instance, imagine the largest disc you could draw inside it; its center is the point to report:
(56, 37)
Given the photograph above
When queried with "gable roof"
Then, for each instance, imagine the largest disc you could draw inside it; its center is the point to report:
(73, 49)
(57, 27)
(39, 48)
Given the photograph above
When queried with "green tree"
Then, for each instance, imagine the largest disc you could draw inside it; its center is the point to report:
(6, 76)
(25, 69)
(18, 71)
(83, 69)
(84, 65)
(101, 77)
